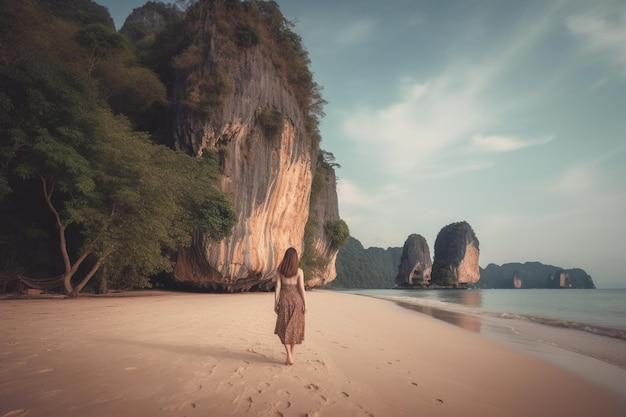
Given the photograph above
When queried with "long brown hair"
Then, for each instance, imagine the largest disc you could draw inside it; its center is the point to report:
(289, 265)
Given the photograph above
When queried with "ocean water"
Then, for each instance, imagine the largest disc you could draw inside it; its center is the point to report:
(581, 331)
(599, 311)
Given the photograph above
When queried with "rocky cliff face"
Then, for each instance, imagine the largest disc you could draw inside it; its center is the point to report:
(456, 256)
(323, 208)
(415, 263)
(230, 94)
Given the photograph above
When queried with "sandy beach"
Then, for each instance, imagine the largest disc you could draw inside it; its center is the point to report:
(176, 354)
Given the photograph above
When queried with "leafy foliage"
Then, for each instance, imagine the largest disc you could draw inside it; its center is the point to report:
(271, 120)
(79, 11)
(246, 36)
(76, 176)
(337, 232)
(358, 267)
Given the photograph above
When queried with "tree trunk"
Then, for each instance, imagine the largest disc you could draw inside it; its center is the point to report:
(85, 280)
(103, 288)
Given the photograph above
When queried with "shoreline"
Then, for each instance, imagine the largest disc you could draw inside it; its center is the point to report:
(602, 365)
(198, 354)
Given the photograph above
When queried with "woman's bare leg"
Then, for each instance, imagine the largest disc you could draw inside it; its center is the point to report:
(289, 359)
(291, 350)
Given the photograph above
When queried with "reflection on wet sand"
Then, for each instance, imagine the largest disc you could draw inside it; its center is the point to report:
(472, 298)
(462, 320)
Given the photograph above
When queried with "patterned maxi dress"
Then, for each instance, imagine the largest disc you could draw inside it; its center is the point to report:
(290, 320)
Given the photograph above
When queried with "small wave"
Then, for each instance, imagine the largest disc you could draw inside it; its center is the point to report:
(597, 330)
(457, 308)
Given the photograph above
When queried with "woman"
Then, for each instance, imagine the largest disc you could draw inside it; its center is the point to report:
(290, 303)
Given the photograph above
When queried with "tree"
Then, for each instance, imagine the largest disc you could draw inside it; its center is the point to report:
(109, 187)
(112, 196)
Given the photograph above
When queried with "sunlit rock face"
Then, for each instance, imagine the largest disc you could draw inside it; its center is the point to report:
(468, 271)
(456, 256)
(415, 263)
(267, 173)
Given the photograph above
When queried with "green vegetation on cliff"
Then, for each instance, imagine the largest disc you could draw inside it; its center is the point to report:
(84, 194)
(235, 27)
(358, 267)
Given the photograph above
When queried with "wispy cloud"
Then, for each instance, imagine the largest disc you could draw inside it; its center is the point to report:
(352, 195)
(602, 33)
(356, 32)
(587, 177)
(358, 206)
(495, 143)
(433, 120)
(428, 118)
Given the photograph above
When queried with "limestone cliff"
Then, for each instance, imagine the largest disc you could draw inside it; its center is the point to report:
(415, 263)
(456, 256)
(320, 267)
(242, 89)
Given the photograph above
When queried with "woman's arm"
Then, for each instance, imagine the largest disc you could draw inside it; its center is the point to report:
(301, 288)
(277, 293)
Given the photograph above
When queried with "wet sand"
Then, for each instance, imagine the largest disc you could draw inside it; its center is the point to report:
(216, 354)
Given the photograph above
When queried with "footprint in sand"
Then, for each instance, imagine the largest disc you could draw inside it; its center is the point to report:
(438, 401)
(282, 392)
(414, 383)
(15, 413)
(50, 393)
(43, 371)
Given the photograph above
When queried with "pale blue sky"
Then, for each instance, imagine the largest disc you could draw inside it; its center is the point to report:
(510, 115)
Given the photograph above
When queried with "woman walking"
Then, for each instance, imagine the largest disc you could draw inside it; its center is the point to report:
(290, 303)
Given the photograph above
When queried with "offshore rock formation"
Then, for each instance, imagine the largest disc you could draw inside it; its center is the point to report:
(415, 263)
(229, 94)
(456, 256)
(533, 275)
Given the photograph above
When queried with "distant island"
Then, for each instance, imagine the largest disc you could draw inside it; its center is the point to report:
(378, 268)
(532, 275)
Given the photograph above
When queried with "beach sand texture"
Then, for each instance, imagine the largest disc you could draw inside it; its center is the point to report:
(176, 354)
